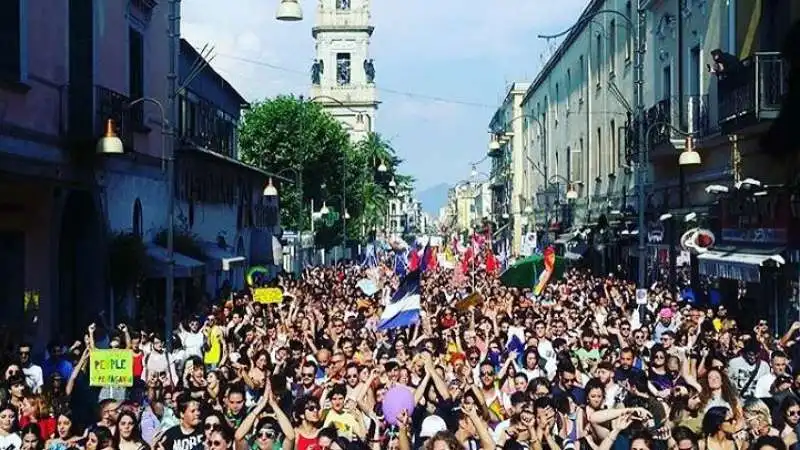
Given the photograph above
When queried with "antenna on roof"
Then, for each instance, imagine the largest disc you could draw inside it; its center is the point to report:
(201, 62)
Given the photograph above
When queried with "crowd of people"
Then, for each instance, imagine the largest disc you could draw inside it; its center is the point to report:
(581, 366)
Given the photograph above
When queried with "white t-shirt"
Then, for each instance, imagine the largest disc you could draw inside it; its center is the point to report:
(10, 442)
(193, 343)
(739, 372)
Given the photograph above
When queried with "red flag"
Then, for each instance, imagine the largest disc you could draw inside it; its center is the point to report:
(433, 260)
(413, 260)
(466, 258)
(491, 261)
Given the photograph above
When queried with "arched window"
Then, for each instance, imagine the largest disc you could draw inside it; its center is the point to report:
(137, 218)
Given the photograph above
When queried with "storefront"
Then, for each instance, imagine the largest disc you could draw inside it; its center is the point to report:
(752, 266)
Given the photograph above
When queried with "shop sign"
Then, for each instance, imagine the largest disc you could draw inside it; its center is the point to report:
(655, 232)
(764, 219)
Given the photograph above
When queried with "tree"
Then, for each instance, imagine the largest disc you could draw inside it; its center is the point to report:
(288, 133)
(291, 136)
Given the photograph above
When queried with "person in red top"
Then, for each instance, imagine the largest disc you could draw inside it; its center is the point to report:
(138, 356)
(34, 411)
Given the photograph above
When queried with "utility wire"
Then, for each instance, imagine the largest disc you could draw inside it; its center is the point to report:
(431, 98)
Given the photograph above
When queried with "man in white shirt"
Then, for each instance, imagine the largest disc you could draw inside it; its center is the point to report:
(746, 369)
(778, 365)
(33, 373)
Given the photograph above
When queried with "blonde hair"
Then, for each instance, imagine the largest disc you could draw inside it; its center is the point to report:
(757, 409)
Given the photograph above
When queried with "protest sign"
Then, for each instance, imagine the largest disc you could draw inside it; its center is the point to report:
(111, 367)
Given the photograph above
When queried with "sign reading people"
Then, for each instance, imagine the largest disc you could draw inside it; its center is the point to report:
(111, 367)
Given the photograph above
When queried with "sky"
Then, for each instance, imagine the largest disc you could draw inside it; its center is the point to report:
(442, 66)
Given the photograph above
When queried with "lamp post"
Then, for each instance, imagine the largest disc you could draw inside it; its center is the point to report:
(111, 143)
(271, 191)
(688, 157)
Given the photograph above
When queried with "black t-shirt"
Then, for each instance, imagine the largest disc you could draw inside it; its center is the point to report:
(176, 439)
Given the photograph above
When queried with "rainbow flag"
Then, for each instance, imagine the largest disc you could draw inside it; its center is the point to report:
(549, 259)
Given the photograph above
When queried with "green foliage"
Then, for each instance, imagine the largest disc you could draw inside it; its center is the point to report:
(127, 261)
(183, 242)
(289, 136)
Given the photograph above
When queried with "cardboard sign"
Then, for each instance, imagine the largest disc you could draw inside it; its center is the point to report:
(268, 295)
(111, 368)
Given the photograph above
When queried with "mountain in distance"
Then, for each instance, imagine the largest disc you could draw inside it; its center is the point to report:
(433, 198)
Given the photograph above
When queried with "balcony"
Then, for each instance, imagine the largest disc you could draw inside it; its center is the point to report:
(688, 113)
(204, 126)
(753, 93)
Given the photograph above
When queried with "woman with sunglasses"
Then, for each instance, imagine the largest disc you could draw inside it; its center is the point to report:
(214, 421)
(272, 432)
(307, 413)
(787, 420)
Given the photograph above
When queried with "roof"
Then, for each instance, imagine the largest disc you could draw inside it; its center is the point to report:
(515, 87)
(580, 25)
(187, 47)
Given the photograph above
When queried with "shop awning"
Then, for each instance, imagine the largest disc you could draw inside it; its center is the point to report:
(185, 267)
(220, 258)
(737, 263)
(577, 251)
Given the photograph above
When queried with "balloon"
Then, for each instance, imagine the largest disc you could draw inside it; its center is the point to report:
(396, 400)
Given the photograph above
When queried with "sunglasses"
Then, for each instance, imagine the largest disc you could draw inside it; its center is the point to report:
(217, 443)
(267, 433)
(312, 407)
(212, 426)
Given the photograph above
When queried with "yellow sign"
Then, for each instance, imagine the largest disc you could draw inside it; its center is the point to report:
(268, 295)
(111, 368)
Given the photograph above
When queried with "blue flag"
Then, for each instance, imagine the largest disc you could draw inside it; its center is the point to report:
(403, 309)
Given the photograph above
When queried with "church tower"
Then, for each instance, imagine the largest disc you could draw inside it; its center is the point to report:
(343, 69)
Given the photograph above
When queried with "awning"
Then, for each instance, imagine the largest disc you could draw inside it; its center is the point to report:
(220, 258)
(736, 263)
(185, 267)
(577, 251)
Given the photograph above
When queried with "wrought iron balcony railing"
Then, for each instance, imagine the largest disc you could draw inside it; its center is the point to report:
(754, 92)
(112, 105)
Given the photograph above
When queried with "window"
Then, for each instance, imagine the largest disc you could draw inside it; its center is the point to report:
(598, 56)
(599, 152)
(578, 173)
(666, 83)
(343, 4)
(136, 73)
(569, 87)
(612, 42)
(343, 68)
(614, 150)
(694, 71)
(137, 218)
(630, 31)
(557, 100)
(581, 73)
(11, 41)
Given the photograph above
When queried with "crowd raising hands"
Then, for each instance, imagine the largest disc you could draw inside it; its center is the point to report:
(581, 367)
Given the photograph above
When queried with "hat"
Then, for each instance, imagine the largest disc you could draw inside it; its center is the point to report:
(665, 313)
(432, 425)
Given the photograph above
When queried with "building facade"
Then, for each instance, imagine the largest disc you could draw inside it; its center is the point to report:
(343, 74)
(73, 66)
(712, 71)
(220, 201)
(508, 173)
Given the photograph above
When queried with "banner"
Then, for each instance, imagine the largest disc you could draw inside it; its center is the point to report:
(268, 295)
(111, 368)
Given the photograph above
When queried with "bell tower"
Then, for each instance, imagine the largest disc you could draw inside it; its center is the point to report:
(343, 74)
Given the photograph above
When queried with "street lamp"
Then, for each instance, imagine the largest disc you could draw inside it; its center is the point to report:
(494, 144)
(572, 194)
(382, 168)
(270, 190)
(689, 156)
(289, 11)
(324, 210)
(110, 143)
(392, 183)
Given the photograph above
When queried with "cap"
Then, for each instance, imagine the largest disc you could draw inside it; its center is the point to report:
(666, 313)
(432, 425)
